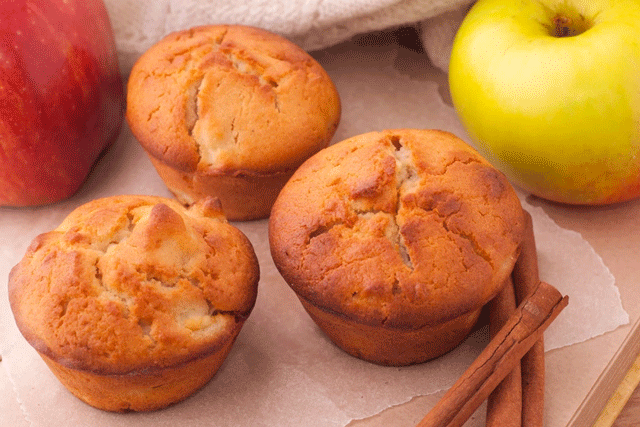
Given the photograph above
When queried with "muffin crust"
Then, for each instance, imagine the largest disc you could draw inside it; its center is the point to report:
(402, 229)
(132, 290)
(229, 101)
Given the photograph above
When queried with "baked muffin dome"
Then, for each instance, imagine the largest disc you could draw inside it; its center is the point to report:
(230, 111)
(134, 301)
(394, 241)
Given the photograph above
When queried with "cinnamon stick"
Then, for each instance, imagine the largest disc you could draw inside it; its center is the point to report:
(526, 278)
(504, 406)
(500, 356)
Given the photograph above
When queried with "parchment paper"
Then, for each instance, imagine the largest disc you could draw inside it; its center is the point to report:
(282, 371)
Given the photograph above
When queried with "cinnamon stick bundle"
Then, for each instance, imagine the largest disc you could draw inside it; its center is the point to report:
(525, 278)
(504, 406)
(519, 399)
(500, 356)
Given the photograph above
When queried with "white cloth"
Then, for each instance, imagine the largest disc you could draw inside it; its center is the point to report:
(312, 24)
(437, 34)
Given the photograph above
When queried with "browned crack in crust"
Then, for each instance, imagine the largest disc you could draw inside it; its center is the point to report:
(238, 56)
(103, 292)
(477, 248)
(405, 175)
(192, 113)
(229, 55)
(153, 111)
(445, 219)
(464, 161)
(407, 186)
(244, 64)
(213, 100)
(322, 229)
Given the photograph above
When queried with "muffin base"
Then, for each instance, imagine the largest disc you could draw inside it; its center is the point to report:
(243, 196)
(392, 346)
(139, 391)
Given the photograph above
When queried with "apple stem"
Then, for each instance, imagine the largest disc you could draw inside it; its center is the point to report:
(569, 24)
(562, 26)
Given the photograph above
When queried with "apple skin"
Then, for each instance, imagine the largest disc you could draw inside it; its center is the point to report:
(560, 116)
(61, 97)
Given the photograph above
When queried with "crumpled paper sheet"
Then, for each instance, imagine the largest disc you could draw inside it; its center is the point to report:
(312, 24)
(282, 371)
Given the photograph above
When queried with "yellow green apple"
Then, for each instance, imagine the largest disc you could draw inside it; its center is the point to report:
(549, 91)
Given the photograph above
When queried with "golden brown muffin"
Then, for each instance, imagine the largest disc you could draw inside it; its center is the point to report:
(134, 301)
(393, 241)
(230, 111)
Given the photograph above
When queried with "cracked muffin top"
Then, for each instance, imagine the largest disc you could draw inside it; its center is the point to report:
(134, 283)
(402, 228)
(230, 99)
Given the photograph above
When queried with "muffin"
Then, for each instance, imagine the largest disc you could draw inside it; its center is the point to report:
(394, 241)
(135, 301)
(230, 111)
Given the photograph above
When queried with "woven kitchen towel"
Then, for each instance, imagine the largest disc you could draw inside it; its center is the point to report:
(312, 24)
(437, 34)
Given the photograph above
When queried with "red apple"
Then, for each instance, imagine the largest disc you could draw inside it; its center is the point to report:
(61, 96)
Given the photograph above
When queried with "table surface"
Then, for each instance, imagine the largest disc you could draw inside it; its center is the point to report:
(630, 415)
